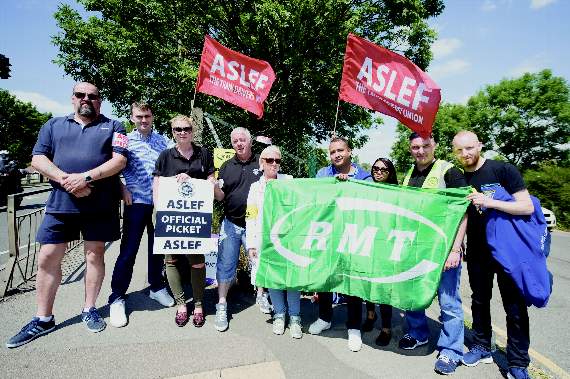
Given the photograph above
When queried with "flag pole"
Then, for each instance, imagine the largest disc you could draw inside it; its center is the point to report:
(336, 118)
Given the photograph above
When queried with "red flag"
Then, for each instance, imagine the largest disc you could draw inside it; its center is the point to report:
(234, 77)
(379, 79)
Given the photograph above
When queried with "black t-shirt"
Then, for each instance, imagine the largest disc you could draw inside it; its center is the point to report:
(491, 172)
(453, 177)
(237, 177)
(170, 163)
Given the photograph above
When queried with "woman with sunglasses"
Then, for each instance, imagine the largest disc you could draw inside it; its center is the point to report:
(184, 161)
(283, 300)
(383, 171)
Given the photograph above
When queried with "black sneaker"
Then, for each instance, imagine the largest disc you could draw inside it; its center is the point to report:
(408, 342)
(31, 331)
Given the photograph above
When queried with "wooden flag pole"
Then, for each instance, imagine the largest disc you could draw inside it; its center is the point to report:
(336, 118)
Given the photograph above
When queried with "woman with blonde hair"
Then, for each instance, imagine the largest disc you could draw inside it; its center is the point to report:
(184, 161)
(283, 300)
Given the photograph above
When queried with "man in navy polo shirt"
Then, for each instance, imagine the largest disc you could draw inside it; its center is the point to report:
(81, 154)
(343, 168)
(145, 145)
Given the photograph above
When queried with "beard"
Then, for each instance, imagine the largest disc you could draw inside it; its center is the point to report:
(87, 110)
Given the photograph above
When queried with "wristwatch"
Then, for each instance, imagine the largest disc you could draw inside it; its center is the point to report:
(88, 179)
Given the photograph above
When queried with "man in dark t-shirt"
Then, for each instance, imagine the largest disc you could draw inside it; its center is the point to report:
(81, 154)
(482, 267)
(234, 179)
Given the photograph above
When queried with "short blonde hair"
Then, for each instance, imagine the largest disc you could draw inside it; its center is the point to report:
(181, 118)
(268, 150)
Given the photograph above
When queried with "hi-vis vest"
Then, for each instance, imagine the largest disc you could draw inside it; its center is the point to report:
(435, 177)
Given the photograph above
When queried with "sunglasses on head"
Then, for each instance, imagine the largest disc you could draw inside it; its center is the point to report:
(90, 96)
(383, 170)
(271, 160)
(180, 130)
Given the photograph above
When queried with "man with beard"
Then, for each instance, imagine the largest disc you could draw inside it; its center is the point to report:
(428, 172)
(81, 154)
(343, 168)
(481, 265)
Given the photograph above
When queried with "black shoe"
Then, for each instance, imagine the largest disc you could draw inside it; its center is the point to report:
(383, 338)
(408, 342)
(369, 323)
(31, 331)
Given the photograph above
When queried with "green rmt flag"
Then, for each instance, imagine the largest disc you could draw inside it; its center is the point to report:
(381, 242)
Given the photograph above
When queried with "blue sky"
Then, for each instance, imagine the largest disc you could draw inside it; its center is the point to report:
(480, 42)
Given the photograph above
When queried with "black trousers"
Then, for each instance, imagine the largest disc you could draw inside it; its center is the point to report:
(482, 268)
(354, 309)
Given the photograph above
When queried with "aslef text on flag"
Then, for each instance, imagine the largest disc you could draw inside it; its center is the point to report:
(379, 79)
(234, 77)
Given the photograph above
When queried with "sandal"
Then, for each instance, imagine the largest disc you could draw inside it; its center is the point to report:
(368, 325)
(181, 318)
(198, 319)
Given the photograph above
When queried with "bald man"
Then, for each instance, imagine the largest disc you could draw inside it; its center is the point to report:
(481, 265)
(81, 154)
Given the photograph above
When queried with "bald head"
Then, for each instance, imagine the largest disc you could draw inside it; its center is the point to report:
(467, 148)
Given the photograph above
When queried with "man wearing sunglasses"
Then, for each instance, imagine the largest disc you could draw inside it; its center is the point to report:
(428, 172)
(81, 154)
(145, 145)
(234, 180)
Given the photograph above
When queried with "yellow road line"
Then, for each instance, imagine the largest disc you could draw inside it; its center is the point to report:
(546, 362)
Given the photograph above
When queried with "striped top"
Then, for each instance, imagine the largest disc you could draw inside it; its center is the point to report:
(143, 152)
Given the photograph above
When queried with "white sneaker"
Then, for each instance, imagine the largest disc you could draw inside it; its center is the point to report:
(295, 328)
(118, 314)
(319, 326)
(163, 297)
(354, 340)
(279, 325)
(263, 302)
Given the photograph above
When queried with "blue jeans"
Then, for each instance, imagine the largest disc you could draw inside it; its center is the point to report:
(450, 342)
(136, 218)
(293, 304)
(232, 237)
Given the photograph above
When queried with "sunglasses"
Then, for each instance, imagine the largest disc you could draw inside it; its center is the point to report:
(271, 160)
(381, 169)
(90, 96)
(180, 130)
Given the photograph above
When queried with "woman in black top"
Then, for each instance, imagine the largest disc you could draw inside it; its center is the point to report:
(382, 171)
(185, 160)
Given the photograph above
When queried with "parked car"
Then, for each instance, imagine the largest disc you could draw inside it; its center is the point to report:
(550, 218)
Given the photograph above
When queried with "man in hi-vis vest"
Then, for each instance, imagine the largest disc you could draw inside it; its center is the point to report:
(428, 172)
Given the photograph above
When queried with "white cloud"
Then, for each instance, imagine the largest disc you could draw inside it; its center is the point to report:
(537, 4)
(532, 64)
(449, 68)
(44, 103)
(444, 47)
(488, 6)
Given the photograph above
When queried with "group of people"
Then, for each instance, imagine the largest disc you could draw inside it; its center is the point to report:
(83, 154)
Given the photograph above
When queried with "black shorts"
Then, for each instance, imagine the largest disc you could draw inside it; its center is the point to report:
(65, 227)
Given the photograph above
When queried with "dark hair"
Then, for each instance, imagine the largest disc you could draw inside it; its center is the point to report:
(415, 135)
(392, 178)
(142, 105)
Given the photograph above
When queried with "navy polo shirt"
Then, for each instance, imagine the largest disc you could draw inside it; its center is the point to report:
(76, 149)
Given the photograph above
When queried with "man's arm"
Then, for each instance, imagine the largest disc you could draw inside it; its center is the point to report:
(113, 166)
(48, 169)
(522, 206)
(454, 257)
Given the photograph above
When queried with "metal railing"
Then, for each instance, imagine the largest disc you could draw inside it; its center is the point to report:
(21, 267)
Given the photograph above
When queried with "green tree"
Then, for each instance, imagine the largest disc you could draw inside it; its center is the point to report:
(19, 126)
(450, 119)
(551, 184)
(151, 49)
(525, 119)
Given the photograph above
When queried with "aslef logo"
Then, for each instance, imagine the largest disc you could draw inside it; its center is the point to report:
(359, 240)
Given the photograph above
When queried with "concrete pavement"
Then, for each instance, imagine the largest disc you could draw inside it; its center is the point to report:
(152, 346)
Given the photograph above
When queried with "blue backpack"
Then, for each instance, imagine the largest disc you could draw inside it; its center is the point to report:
(521, 244)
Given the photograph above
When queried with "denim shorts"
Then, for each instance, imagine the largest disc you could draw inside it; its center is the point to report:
(65, 227)
(232, 237)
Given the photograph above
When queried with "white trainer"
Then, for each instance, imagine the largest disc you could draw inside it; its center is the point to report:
(319, 326)
(354, 340)
(163, 297)
(118, 314)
